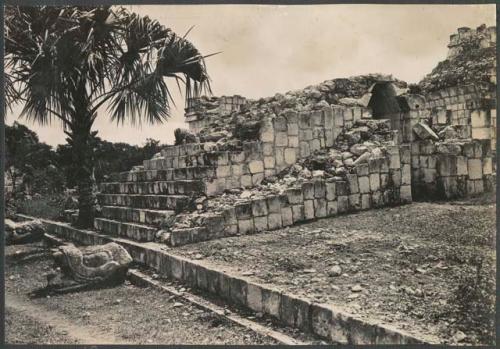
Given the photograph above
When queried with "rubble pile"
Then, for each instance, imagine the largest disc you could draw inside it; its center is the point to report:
(244, 124)
(364, 141)
(473, 63)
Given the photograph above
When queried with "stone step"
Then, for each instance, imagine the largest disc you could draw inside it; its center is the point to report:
(212, 158)
(133, 231)
(137, 215)
(156, 187)
(162, 202)
(187, 173)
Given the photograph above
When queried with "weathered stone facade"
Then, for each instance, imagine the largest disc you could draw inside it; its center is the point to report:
(341, 146)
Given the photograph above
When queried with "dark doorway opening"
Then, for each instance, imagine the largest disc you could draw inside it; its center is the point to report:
(384, 101)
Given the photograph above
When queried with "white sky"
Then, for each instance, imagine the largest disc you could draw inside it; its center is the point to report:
(269, 49)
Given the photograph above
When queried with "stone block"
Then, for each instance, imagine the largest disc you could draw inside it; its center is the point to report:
(245, 226)
(475, 169)
(309, 209)
(479, 118)
(260, 223)
(274, 221)
(257, 178)
(430, 175)
(269, 162)
(328, 117)
(461, 166)
(479, 186)
(481, 133)
(447, 165)
(304, 120)
(321, 320)
(271, 302)
(237, 170)
(363, 169)
(281, 139)
(256, 166)
(355, 202)
(267, 132)
(274, 204)
(384, 180)
(330, 191)
(223, 171)
(286, 216)
(314, 145)
(423, 131)
(229, 215)
(319, 189)
(238, 291)
(246, 181)
(374, 165)
(293, 129)
(298, 212)
(487, 166)
(259, 207)
(243, 210)
(342, 203)
(308, 190)
(320, 207)
(290, 156)
(280, 124)
(374, 182)
(254, 297)
(406, 174)
(293, 142)
(364, 184)
(331, 208)
(294, 196)
(405, 193)
(366, 201)
(225, 286)
(268, 149)
(304, 149)
(342, 188)
(352, 180)
(295, 312)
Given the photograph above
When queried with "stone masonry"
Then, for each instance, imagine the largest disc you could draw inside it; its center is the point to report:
(341, 146)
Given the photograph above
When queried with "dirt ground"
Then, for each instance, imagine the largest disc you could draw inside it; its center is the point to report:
(122, 315)
(400, 266)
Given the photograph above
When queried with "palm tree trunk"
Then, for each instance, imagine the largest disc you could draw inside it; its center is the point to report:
(83, 157)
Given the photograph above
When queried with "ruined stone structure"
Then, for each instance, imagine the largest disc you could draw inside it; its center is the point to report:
(341, 146)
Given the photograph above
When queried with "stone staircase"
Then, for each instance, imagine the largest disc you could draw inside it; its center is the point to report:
(136, 202)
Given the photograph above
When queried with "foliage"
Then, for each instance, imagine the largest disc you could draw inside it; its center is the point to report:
(30, 162)
(65, 63)
(474, 301)
(110, 158)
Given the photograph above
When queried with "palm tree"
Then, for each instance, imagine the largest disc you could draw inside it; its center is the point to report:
(65, 63)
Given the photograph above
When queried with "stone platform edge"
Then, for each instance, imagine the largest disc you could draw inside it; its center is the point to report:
(324, 320)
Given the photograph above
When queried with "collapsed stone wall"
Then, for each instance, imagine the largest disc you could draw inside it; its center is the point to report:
(200, 111)
(376, 182)
(339, 146)
(461, 90)
(450, 169)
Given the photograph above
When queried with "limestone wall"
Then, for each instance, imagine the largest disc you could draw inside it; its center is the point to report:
(445, 170)
(380, 182)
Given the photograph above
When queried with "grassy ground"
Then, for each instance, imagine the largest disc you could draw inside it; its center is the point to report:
(24, 329)
(428, 268)
(124, 314)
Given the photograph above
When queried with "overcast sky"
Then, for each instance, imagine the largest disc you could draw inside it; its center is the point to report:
(269, 49)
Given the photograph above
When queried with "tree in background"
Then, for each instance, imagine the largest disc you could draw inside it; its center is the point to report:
(29, 162)
(110, 158)
(65, 63)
